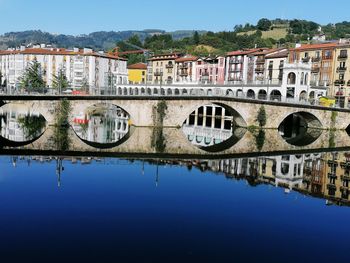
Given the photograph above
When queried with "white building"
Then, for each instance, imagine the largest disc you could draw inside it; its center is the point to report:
(83, 67)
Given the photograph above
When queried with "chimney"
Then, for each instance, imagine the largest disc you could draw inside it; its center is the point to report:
(43, 46)
(76, 50)
(22, 48)
(297, 45)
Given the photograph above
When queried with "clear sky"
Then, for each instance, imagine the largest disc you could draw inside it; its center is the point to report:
(85, 16)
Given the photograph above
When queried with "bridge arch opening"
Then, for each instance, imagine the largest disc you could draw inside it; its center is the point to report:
(229, 92)
(300, 128)
(262, 94)
(102, 125)
(184, 92)
(250, 94)
(20, 125)
(177, 91)
(275, 95)
(169, 91)
(303, 95)
(214, 127)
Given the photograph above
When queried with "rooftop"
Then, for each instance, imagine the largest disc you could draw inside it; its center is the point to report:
(138, 66)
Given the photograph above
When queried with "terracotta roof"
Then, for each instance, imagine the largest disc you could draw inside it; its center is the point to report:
(315, 46)
(57, 51)
(138, 66)
(242, 52)
(168, 56)
(282, 54)
(266, 51)
(185, 59)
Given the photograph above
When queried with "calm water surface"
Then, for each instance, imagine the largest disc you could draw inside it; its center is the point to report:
(116, 210)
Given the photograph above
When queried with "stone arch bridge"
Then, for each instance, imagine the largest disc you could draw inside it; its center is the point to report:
(143, 110)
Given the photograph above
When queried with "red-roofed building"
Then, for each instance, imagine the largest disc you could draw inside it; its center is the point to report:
(321, 57)
(162, 68)
(210, 70)
(186, 69)
(84, 68)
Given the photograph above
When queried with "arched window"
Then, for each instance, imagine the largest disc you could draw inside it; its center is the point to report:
(291, 78)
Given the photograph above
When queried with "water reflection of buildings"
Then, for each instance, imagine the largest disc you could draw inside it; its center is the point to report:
(322, 175)
(107, 126)
(10, 125)
(208, 125)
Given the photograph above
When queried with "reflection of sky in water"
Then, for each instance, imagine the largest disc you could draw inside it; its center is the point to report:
(21, 125)
(102, 125)
(108, 208)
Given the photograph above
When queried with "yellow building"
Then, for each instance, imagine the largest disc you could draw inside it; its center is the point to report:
(137, 73)
(162, 68)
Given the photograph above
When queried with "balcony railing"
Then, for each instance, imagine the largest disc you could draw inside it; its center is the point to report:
(339, 82)
(342, 57)
(316, 59)
(158, 73)
(305, 60)
(259, 69)
(169, 65)
(315, 69)
(235, 61)
(341, 69)
(260, 60)
(327, 57)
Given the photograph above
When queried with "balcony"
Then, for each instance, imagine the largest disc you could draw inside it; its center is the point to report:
(184, 66)
(260, 61)
(169, 65)
(231, 70)
(316, 59)
(305, 59)
(205, 74)
(158, 73)
(235, 61)
(342, 56)
(348, 83)
(327, 57)
(341, 69)
(315, 69)
(259, 70)
(339, 82)
(183, 73)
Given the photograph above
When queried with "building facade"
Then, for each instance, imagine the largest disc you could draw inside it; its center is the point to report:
(162, 68)
(185, 68)
(211, 70)
(137, 73)
(84, 68)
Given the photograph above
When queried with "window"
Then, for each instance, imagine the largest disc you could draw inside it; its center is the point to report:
(317, 54)
(341, 76)
(343, 53)
(306, 55)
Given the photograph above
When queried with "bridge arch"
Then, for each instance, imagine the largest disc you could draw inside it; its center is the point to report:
(300, 128)
(262, 94)
(251, 94)
(275, 95)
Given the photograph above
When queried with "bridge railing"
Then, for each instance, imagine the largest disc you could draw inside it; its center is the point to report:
(175, 90)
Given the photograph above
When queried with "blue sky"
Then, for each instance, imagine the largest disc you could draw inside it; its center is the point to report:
(80, 17)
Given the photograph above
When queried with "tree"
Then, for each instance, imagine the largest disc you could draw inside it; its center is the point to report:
(60, 80)
(32, 79)
(264, 24)
(261, 118)
(135, 40)
(196, 38)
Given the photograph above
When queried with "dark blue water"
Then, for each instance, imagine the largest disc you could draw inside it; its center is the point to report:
(111, 211)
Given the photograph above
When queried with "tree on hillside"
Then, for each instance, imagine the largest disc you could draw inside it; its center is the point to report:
(264, 24)
(135, 40)
(196, 38)
(32, 79)
(60, 81)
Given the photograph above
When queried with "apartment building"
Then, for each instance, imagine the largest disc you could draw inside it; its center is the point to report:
(321, 57)
(274, 64)
(137, 73)
(161, 68)
(84, 68)
(185, 68)
(341, 75)
(210, 70)
(237, 66)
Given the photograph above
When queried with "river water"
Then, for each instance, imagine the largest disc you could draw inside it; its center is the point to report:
(66, 205)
